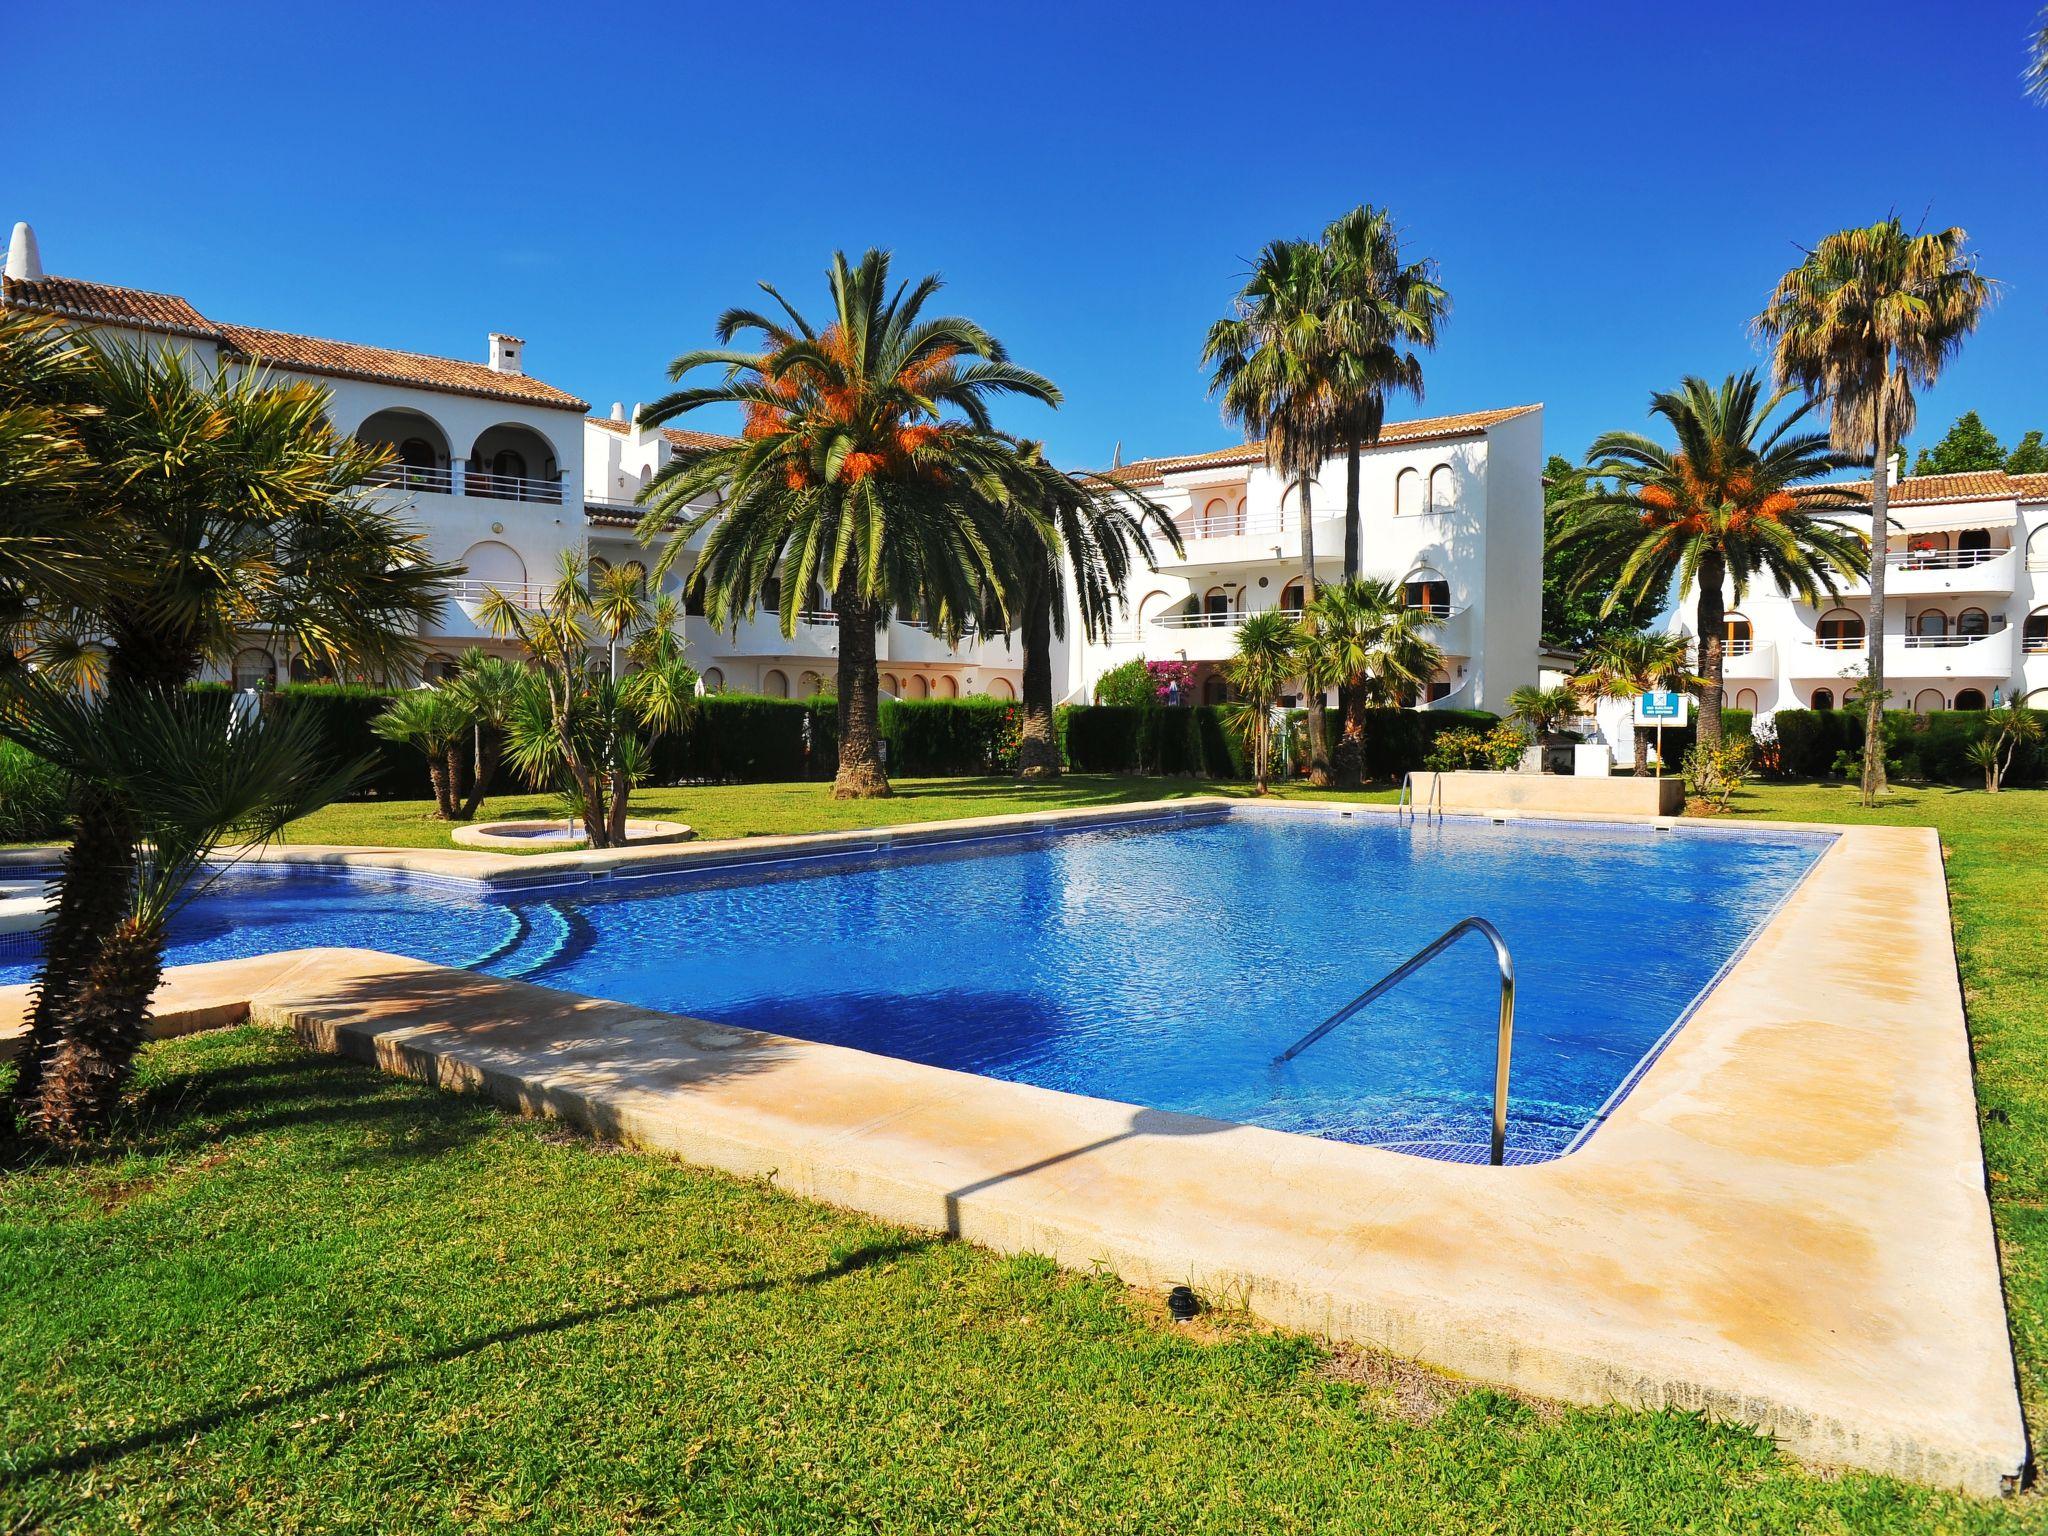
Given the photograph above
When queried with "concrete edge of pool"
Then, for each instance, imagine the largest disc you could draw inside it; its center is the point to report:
(1784, 1225)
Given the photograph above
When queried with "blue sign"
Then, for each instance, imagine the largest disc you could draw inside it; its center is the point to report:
(1661, 709)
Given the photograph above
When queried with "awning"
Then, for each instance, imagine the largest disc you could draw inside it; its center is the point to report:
(1954, 516)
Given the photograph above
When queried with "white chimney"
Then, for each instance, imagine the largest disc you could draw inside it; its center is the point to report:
(505, 353)
(24, 261)
(618, 411)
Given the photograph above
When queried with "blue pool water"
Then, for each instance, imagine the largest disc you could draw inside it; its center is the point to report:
(1163, 965)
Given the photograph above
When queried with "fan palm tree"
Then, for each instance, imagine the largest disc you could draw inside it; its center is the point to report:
(222, 504)
(1362, 638)
(1713, 513)
(1265, 661)
(2036, 75)
(1078, 533)
(1278, 362)
(190, 781)
(489, 688)
(1868, 317)
(435, 721)
(1543, 710)
(1626, 666)
(50, 551)
(855, 473)
(1387, 310)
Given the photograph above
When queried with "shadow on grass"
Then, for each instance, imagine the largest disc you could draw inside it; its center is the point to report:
(192, 1425)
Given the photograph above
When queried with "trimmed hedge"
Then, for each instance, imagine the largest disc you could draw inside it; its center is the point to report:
(1934, 747)
(950, 736)
(1193, 739)
(343, 712)
(738, 738)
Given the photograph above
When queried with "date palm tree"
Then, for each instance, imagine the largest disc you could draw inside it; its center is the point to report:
(1868, 317)
(1626, 666)
(191, 779)
(855, 473)
(222, 504)
(1363, 639)
(1277, 361)
(1387, 310)
(50, 552)
(1713, 513)
(1075, 533)
(1266, 659)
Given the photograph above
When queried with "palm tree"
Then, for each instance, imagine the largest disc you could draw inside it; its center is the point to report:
(850, 476)
(1260, 669)
(49, 550)
(1869, 316)
(2036, 75)
(1278, 361)
(1362, 638)
(1543, 710)
(1073, 532)
(1388, 310)
(489, 688)
(434, 720)
(1714, 512)
(220, 505)
(190, 781)
(1626, 666)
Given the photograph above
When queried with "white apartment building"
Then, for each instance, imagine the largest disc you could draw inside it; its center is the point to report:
(1966, 607)
(1451, 507)
(489, 460)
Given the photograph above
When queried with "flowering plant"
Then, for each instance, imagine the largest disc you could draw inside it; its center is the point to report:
(1165, 674)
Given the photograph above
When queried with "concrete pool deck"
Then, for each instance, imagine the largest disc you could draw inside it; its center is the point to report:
(1783, 1225)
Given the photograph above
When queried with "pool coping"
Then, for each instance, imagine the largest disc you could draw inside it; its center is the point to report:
(1818, 1266)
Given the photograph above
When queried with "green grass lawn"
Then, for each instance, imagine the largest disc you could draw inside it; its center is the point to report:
(293, 1295)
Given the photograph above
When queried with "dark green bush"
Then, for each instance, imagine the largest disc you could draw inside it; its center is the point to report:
(35, 801)
(950, 736)
(738, 738)
(1398, 740)
(343, 712)
(1195, 739)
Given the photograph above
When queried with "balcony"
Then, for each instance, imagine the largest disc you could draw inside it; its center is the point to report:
(1230, 539)
(1988, 657)
(457, 481)
(1213, 636)
(1750, 660)
(1818, 659)
(1950, 572)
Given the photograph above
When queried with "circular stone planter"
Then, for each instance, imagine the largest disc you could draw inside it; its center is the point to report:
(557, 836)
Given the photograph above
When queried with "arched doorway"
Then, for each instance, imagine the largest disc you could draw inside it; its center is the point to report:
(1840, 629)
(512, 462)
(1745, 698)
(1931, 624)
(1823, 698)
(1427, 592)
(1973, 623)
(1293, 596)
(2034, 637)
(254, 668)
(948, 688)
(1973, 546)
(713, 680)
(1738, 638)
(807, 686)
(1215, 690)
(417, 445)
(916, 687)
(775, 683)
(1969, 698)
(999, 688)
(1216, 602)
(492, 566)
(1927, 701)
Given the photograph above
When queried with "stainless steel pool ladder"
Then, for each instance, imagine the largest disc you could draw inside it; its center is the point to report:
(1435, 805)
(1504, 1042)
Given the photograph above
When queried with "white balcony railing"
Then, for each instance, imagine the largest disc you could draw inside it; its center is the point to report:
(411, 477)
(1941, 559)
(1954, 641)
(529, 595)
(1737, 647)
(1233, 525)
(511, 488)
(1837, 642)
(818, 618)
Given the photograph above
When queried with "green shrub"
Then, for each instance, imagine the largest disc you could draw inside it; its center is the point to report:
(343, 713)
(35, 800)
(1194, 739)
(950, 736)
(739, 738)
(1461, 749)
(1130, 685)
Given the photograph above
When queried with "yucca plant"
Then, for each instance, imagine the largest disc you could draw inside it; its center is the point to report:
(488, 687)
(2006, 730)
(1869, 316)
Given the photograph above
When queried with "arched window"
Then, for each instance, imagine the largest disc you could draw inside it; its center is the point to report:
(418, 453)
(948, 688)
(1291, 600)
(714, 680)
(1408, 493)
(1840, 629)
(999, 688)
(1216, 519)
(1969, 698)
(775, 684)
(1216, 601)
(1823, 698)
(1931, 625)
(1427, 592)
(1739, 638)
(1439, 688)
(2034, 637)
(914, 687)
(1215, 690)
(1973, 546)
(807, 686)
(887, 683)
(599, 565)
(1927, 701)
(1241, 510)
(1974, 622)
(771, 593)
(1152, 605)
(496, 567)
(1443, 489)
(1745, 698)
(2037, 549)
(255, 669)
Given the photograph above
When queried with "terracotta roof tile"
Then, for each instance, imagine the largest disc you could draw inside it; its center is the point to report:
(1423, 429)
(678, 437)
(1976, 485)
(2031, 487)
(350, 360)
(105, 304)
(71, 297)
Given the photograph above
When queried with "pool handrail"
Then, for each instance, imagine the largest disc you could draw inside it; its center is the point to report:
(1435, 804)
(1504, 1042)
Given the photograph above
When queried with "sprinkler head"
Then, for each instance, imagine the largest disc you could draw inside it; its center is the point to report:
(1181, 1304)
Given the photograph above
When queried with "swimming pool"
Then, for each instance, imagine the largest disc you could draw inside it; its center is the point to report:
(1162, 964)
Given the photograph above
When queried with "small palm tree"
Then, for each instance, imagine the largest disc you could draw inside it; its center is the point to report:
(1388, 310)
(1265, 662)
(1869, 316)
(1543, 710)
(436, 721)
(1626, 666)
(2006, 730)
(865, 440)
(1362, 638)
(1277, 360)
(1713, 514)
(488, 687)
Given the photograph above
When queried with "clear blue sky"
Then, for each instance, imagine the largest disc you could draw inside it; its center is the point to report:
(1611, 189)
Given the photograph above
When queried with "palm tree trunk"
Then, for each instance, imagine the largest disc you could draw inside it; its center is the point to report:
(1642, 752)
(1038, 745)
(860, 776)
(86, 1073)
(1880, 540)
(437, 775)
(621, 803)
(1712, 619)
(488, 747)
(456, 802)
(1318, 747)
(590, 790)
(1348, 761)
(1352, 533)
(92, 893)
